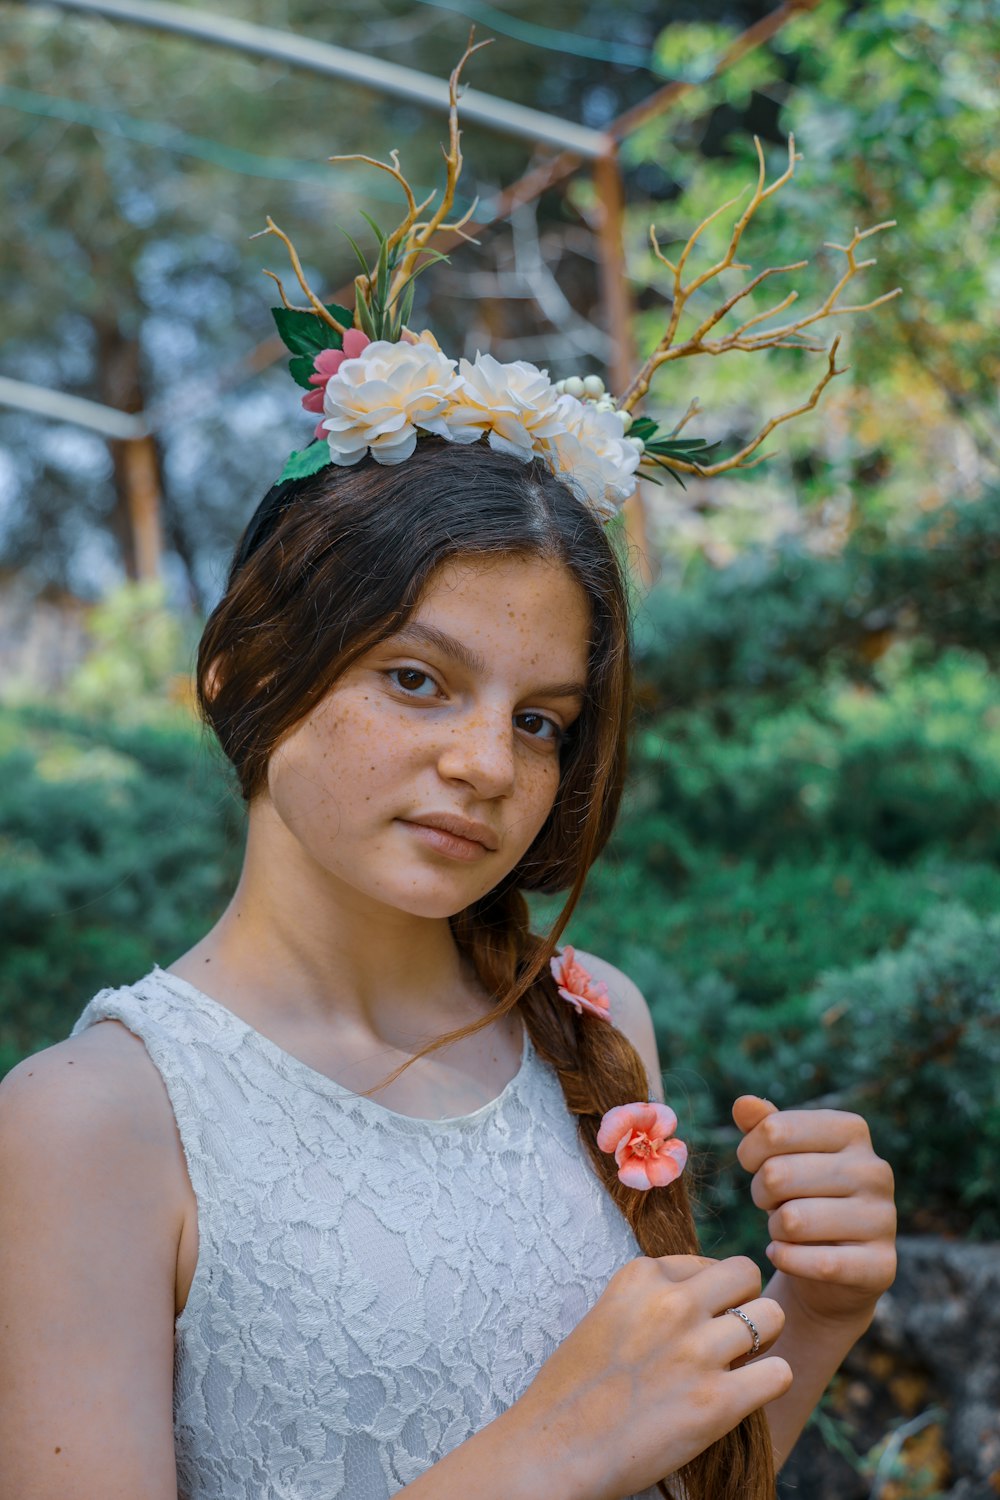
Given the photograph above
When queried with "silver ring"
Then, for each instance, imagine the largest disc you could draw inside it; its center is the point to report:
(750, 1324)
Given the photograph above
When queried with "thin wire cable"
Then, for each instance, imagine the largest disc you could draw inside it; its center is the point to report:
(169, 138)
(225, 30)
(550, 39)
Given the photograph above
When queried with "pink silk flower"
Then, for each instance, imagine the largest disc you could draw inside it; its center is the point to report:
(326, 364)
(638, 1134)
(576, 985)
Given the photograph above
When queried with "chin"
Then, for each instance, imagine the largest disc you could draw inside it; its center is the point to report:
(434, 908)
(436, 900)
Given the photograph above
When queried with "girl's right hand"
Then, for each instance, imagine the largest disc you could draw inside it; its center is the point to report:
(645, 1382)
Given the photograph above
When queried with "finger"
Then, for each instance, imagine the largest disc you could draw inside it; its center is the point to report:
(732, 1339)
(757, 1383)
(870, 1268)
(788, 1130)
(825, 1221)
(810, 1174)
(683, 1267)
(750, 1109)
(727, 1283)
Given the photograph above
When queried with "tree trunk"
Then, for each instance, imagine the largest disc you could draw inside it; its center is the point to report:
(135, 519)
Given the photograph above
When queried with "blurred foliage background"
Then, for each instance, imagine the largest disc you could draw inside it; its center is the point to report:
(806, 878)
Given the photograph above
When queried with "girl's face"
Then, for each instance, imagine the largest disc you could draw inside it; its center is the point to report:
(456, 721)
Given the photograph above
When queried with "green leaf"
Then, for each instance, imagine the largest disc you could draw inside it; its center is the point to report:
(672, 472)
(381, 286)
(305, 332)
(406, 306)
(378, 233)
(309, 461)
(433, 256)
(406, 289)
(657, 441)
(364, 316)
(301, 367)
(679, 447)
(342, 314)
(362, 259)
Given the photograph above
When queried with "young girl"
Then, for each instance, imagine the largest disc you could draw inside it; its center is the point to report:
(233, 1264)
(372, 1191)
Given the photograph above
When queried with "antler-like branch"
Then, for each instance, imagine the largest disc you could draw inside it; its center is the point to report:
(412, 234)
(292, 307)
(786, 336)
(419, 235)
(413, 208)
(739, 460)
(316, 305)
(694, 407)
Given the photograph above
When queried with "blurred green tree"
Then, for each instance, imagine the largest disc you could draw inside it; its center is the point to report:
(892, 106)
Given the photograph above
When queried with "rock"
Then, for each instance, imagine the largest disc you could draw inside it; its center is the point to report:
(933, 1348)
(943, 1309)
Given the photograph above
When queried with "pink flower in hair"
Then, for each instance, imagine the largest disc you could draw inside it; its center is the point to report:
(638, 1134)
(577, 986)
(327, 363)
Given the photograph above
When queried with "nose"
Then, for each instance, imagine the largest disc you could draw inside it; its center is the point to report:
(479, 750)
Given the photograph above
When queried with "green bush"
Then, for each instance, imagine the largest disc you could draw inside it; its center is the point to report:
(908, 764)
(118, 845)
(909, 1040)
(770, 930)
(778, 619)
(914, 1038)
(800, 836)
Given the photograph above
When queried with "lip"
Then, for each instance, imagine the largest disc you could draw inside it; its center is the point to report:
(463, 828)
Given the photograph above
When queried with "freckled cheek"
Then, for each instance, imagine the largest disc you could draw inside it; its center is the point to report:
(336, 760)
(533, 799)
(361, 736)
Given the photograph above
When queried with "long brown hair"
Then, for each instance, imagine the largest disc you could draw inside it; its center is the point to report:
(331, 565)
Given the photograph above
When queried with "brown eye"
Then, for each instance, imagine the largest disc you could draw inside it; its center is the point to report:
(412, 681)
(410, 678)
(540, 727)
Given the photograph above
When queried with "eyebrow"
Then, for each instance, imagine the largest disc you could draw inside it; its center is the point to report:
(473, 661)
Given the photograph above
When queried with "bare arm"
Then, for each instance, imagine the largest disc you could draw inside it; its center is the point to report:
(88, 1247)
(500, 1462)
(815, 1350)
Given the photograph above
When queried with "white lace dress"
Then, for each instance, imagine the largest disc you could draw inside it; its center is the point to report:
(371, 1289)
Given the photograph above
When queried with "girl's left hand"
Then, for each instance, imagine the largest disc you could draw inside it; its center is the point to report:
(829, 1201)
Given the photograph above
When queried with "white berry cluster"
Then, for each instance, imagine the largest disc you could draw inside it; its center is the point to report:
(591, 388)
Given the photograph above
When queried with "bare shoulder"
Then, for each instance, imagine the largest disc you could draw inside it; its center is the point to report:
(95, 1105)
(630, 1013)
(104, 1078)
(89, 1227)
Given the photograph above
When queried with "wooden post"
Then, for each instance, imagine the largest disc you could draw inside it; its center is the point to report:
(141, 481)
(135, 520)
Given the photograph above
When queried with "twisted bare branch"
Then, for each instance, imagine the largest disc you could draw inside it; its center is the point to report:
(316, 305)
(413, 208)
(417, 236)
(412, 235)
(788, 335)
(739, 460)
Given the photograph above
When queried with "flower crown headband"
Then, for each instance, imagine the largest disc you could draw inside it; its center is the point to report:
(378, 387)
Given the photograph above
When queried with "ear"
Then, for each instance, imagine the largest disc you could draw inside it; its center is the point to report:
(213, 678)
